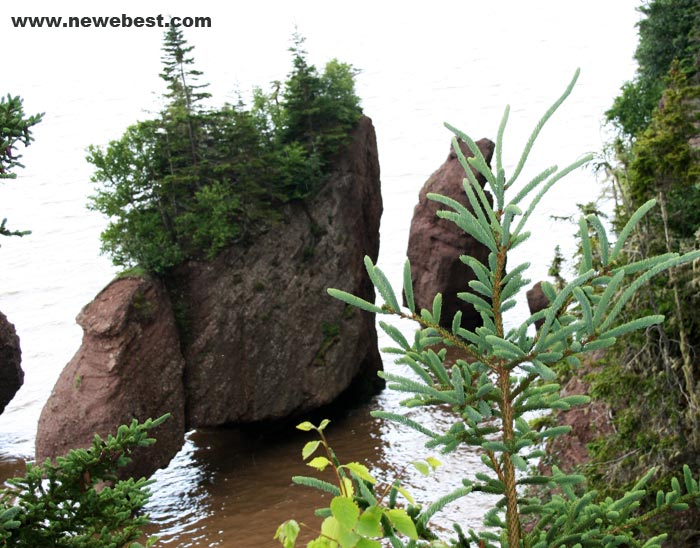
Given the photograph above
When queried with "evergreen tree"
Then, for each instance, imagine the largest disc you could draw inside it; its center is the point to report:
(78, 501)
(665, 160)
(490, 382)
(195, 180)
(184, 95)
(182, 79)
(15, 128)
(319, 109)
(302, 122)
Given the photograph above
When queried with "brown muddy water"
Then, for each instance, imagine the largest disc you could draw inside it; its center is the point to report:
(229, 488)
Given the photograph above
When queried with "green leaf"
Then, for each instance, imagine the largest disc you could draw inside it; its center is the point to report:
(422, 467)
(287, 533)
(369, 524)
(306, 426)
(368, 543)
(603, 244)
(382, 284)
(433, 462)
(404, 492)
(655, 542)
(691, 484)
(354, 301)
(471, 226)
(402, 522)
(495, 446)
(506, 347)
(499, 140)
(361, 471)
(437, 307)
(395, 334)
(346, 511)
(587, 259)
(540, 124)
(316, 483)
(598, 344)
(629, 227)
(634, 325)
(482, 274)
(319, 463)
(408, 287)
(554, 432)
(331, 528)
(519, 462)
(576, 399)
(309, 449)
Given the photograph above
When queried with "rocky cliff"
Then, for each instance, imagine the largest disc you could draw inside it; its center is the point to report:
(129, 366)
(11, 374)
(287, 347)
(435, 245)
(258, 338)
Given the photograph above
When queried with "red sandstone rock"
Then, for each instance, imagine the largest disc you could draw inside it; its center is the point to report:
(261, 338)
(435, 245)
(128, 366)
(264, 340)
(11, 374)
(536, 301)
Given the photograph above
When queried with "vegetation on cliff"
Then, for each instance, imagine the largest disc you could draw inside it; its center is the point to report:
(651, 381)
(196, 179)
(668, 32)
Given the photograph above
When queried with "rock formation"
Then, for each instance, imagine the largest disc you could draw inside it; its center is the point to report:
(435, 245)
(128, 366)
(588, 422)
(263, 339)
(536, 301)
(258, 337)
(11, 374)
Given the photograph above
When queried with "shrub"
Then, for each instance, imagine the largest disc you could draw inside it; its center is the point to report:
(78, 501)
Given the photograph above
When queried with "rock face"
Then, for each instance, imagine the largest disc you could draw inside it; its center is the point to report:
(588, 422)
(11, 374)
(257, 336)
(128, 366)
(263, 338)
(536, 301)
(435, 245)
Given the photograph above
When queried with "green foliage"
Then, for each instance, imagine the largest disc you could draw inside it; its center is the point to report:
(195, 180)
(498, 379)
(654, 373)
(320, 109)
(181, 79)
(666, 161)
(668, 32)
(15, 128)
(361, 510)
(78, 501)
